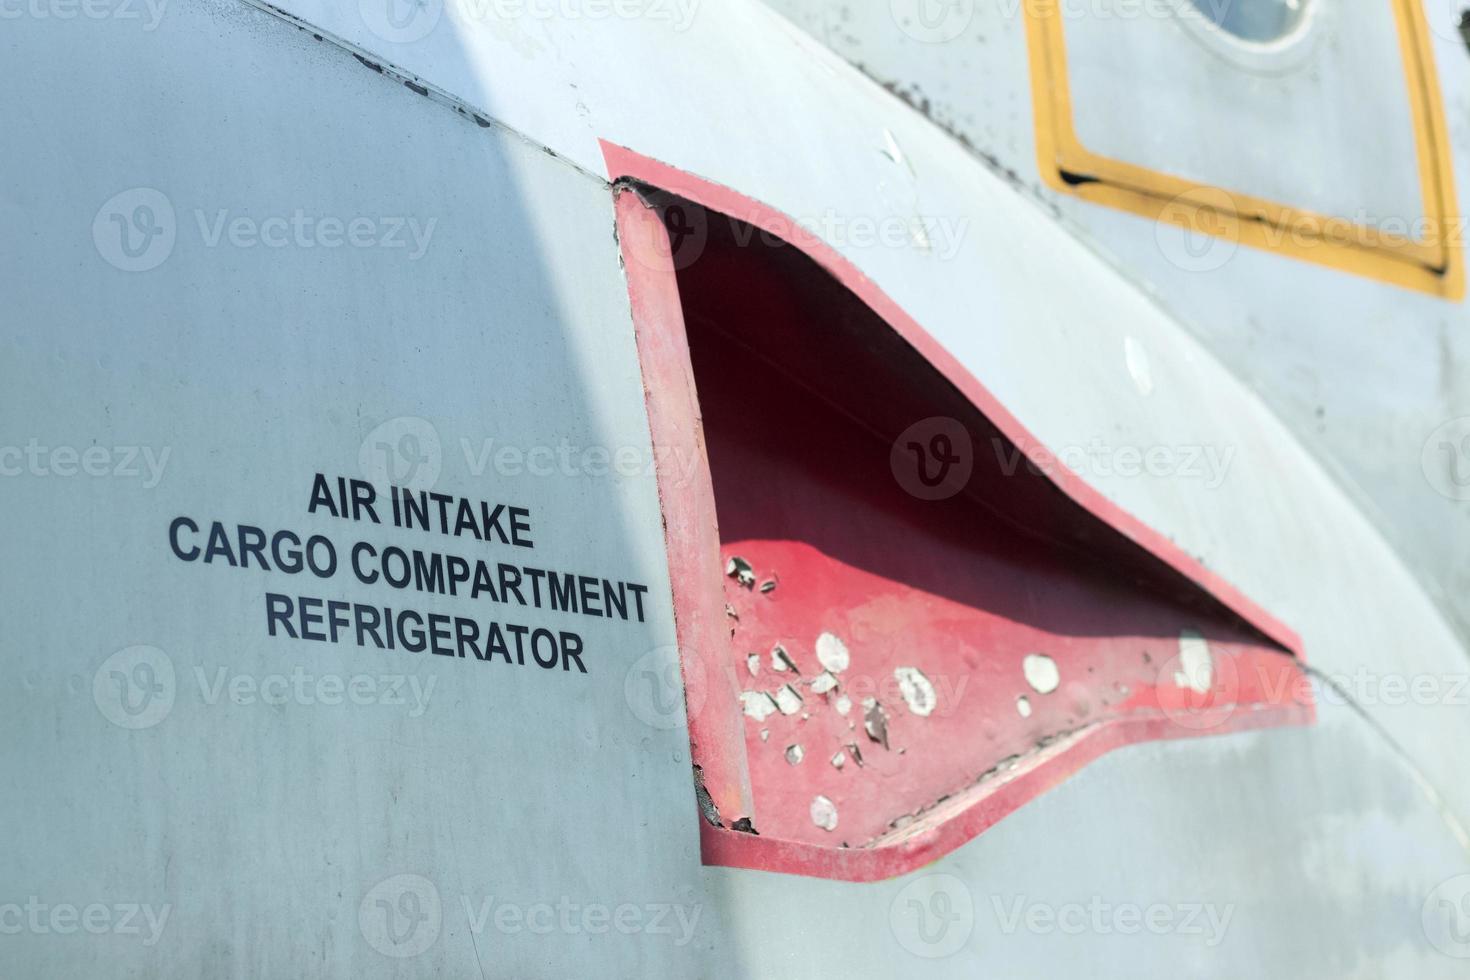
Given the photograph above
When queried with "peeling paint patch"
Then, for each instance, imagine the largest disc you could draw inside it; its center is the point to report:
(781, 660)
(1196, 666)
(787, 700)
(832, 653)
(892, 150)
(824, 813)
(917, 692)
(707, 806)
(1136, 358)
(1041, 673)
(757, 704)
(875, 721)
(739, 569)
(824, 683)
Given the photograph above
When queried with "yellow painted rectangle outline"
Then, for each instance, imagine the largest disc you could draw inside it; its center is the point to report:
(1434, 265)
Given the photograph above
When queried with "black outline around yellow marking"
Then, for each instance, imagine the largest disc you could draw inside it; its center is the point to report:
(1434, 266)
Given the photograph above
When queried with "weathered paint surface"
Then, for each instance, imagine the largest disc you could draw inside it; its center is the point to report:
(870, 560)
(1370, 377)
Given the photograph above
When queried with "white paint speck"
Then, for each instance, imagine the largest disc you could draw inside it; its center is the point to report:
(1139, 368)
(781, 661)
(1023, 705)
(917, 692)
(739, 569)
(757, 704)
(875, 721)
(788, 701)
(832, 653)
(1041, 673)
(1196, 666)
(824, 813)
(892, 150)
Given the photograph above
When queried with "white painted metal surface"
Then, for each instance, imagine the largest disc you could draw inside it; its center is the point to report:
(1369, 377)
(1314, 120)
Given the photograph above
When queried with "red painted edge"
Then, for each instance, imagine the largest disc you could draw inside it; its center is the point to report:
(972, 813)
(716, 734)
(692, 538)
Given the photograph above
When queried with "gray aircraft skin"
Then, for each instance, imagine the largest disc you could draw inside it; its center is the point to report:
(276, 274)
(1282, 101)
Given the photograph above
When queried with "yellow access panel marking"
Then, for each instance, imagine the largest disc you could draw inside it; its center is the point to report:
(1432, 264)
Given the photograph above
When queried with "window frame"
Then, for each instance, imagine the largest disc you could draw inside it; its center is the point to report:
(1434, 266)
(1290, 36)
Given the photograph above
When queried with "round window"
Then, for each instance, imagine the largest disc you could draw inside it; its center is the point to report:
(1258, 21)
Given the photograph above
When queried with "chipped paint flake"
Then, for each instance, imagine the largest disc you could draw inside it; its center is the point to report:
(843, 704)
(832, 653)
(758, 704)
(739, 569)
(875, 721)
(1023, 706)
(839, 760)
(1041, 673)
(794, 754)
(917, 692)
(753, 663)
(781, 660)
(895, 153)
(768, 586)
(824, 683)
(706, 802)
(787, 700)
(765, 734)
(891, 148)
(1196, 665)
(824, 813)
(857, 753)
(1135, 356)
